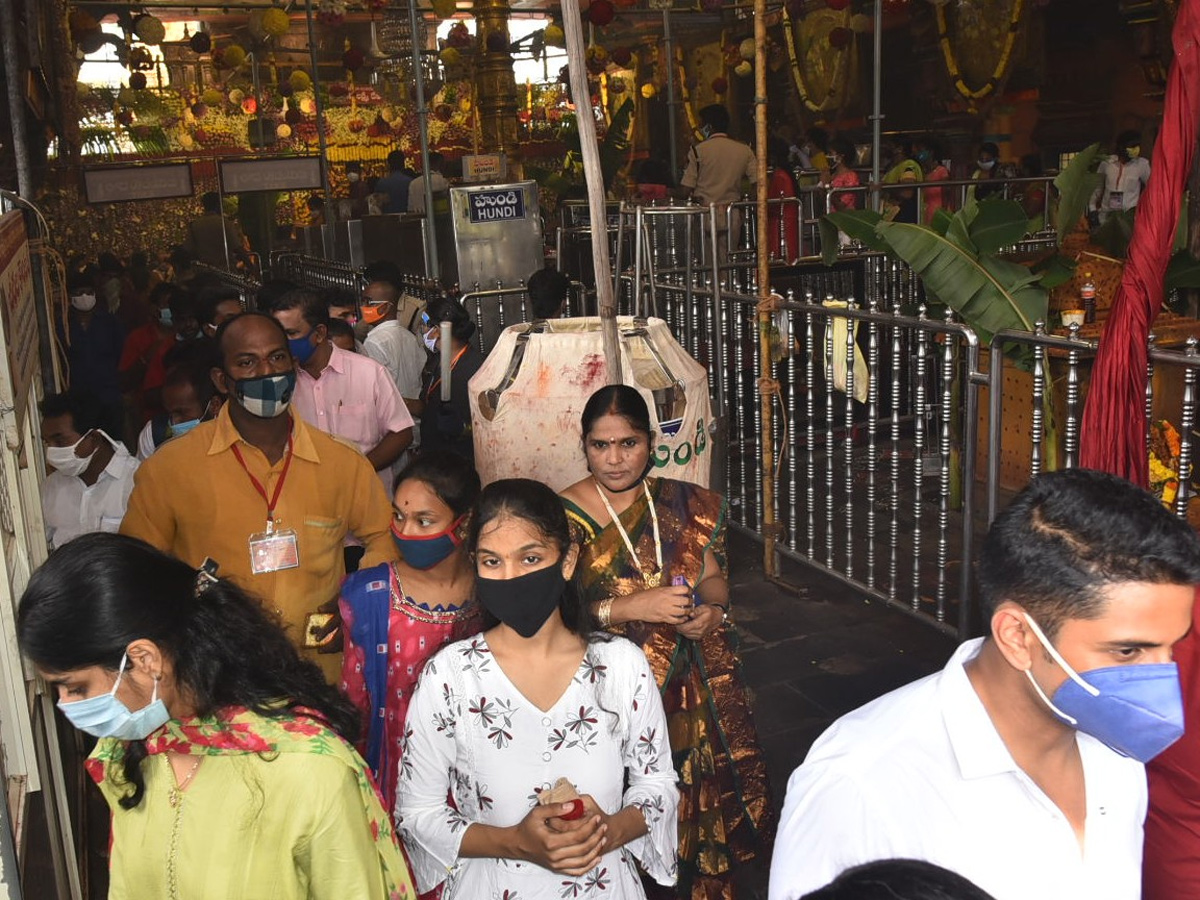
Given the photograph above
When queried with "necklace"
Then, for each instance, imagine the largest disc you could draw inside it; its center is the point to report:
(175, 799)
(175, 794)
(653, 579)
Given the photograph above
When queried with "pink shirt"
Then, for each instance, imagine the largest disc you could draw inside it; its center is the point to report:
(354, 399)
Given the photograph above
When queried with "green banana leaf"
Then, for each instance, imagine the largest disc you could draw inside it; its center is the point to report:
(989, 294)
(941, 221)
(859, 224)
(1076, 184)
(959, 231)
(1055, 270)
(1183, 271)
(999, 223)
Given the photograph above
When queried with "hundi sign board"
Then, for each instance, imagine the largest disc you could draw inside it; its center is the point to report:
(504, 205)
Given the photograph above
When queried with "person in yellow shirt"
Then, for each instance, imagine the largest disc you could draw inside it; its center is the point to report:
(265, 495)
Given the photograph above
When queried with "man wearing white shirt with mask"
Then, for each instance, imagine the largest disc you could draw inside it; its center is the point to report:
(93, 474)
(1019, 765)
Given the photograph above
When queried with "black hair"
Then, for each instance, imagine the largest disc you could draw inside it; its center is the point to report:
(195, 373)
(536, 504)
(844, 147)
(990, 147)
(1129, 138)
(209, 297)
(108, 263)
(436, 160)
(618, 400)
(443, 309)
(395, 161)
(1070, 534)
(211, 201)
(715, 116)
(451, 476)
(819, 138)
(934, 146)
(85, 408)
(340, 328)
(899, 879)
(384, 270)
(100, 592)
(165, 293)
(201, 352)
(219, 337)
(271, 290)
(314, 308)
(548, 292)
(654, 170)
(182, 304)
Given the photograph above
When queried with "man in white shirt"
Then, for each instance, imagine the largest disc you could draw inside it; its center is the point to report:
(416, 190)
(999, 767)
(390, 342)
(1126, 174)
(93, 474)
(341, 393)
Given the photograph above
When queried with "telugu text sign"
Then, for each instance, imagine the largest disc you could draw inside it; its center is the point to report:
(19, 313)
(112, 184)
(289, 173)
(505, 205)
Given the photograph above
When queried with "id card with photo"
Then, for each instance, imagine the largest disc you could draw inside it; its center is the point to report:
(1116, 200)
(274, 551)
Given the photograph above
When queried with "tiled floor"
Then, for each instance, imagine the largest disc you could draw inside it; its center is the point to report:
(812, 653)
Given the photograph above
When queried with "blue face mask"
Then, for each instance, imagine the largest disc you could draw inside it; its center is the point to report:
(430, 339)
(302, 348)
(1135, 710)
(428, 550)
(107, 717)
(176, 429)
(266, 396)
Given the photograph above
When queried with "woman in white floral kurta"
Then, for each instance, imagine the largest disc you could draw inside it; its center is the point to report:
(472, 734)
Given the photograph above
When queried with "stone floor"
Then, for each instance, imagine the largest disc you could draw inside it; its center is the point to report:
(812, 651)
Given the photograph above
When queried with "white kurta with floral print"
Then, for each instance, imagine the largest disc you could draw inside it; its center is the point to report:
(472, 734)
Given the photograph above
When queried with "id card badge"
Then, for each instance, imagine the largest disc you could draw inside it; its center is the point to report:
(274, 551)
(1115, 200)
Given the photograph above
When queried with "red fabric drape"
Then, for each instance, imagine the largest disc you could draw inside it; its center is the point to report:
(1114, 428)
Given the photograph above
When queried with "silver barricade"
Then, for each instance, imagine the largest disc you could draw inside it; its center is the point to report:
(339, 280)
(246, 287)
(495, 309)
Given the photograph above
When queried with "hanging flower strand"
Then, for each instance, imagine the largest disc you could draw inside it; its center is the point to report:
(1010, 40)
(835, 76)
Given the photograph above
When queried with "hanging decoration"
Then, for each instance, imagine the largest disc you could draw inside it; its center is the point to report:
(200, 42)
(149, 29)
(821, 49)
(275, 22)
(1001, 70)
(600, 12)
(444, 9)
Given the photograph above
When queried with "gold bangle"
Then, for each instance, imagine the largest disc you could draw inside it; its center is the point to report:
(604, 613)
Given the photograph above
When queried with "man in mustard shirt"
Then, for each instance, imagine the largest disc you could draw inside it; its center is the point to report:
(265, 495)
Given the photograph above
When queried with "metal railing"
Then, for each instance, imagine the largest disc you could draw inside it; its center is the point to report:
(246, 286)
(340, 280)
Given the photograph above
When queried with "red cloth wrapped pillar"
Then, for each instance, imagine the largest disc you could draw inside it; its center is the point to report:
(1114, 428)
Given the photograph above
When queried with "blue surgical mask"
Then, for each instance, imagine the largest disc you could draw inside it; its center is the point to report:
(176, 429)
(302, 348)
(1135, 710)
(426, 551)
(266, 396)
(164, 316)
(107, 717)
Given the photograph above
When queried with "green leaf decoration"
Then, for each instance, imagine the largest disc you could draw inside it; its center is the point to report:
(959, 232)
(1055, 270)
(1076, 184)
(859, 224)
(989, 294)
(1183, 271)
(1115, 232)
(941, 221)
(999, 223)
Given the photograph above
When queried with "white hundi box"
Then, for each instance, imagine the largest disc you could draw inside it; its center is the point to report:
(527, 397)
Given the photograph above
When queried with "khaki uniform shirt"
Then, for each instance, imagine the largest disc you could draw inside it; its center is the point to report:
(716, 167)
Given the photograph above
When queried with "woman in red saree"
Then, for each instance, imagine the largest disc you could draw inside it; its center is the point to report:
(652, 566)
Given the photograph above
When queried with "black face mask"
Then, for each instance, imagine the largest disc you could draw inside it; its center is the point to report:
(526, 602)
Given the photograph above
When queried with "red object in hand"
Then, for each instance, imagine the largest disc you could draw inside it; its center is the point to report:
(576, 811)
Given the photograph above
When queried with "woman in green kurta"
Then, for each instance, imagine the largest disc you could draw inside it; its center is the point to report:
(222, 754)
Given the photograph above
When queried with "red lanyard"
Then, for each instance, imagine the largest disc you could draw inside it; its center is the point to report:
(273, 500)
(438, 380)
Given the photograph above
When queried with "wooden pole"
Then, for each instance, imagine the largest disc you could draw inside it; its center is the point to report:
(606, 303)
(768, 388)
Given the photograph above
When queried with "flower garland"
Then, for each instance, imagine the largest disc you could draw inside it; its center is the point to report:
(835, 78)
(993, 82)
(1164, 461)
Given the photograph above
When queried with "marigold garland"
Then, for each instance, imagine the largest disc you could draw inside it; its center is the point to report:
(835, 77)
(1014, 24)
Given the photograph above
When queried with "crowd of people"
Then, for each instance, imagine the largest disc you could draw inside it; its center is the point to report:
(321, 659)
